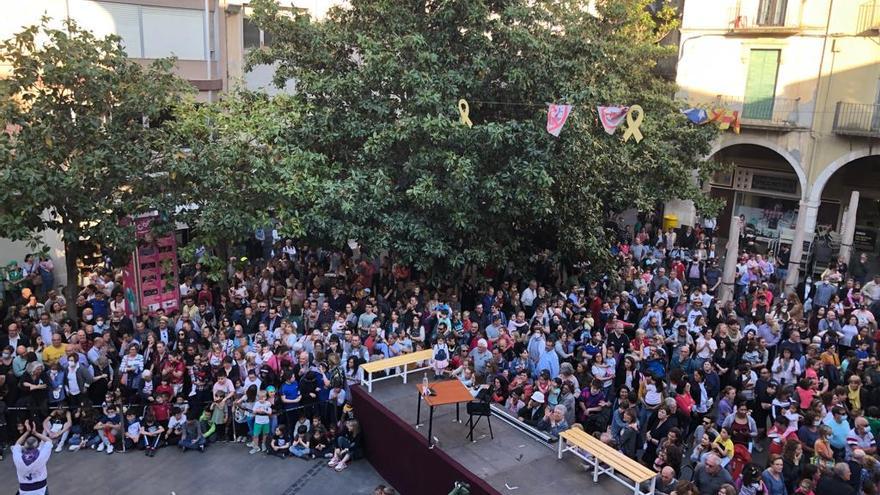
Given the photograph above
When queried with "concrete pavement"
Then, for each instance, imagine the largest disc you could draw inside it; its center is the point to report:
(226, 468)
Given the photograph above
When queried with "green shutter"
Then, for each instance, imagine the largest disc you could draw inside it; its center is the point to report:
(761, 84)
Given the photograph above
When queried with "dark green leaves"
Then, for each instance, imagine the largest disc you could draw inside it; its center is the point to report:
(81, 158)
(379, 81)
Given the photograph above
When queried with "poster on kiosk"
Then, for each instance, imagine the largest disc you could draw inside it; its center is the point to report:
(151, 277)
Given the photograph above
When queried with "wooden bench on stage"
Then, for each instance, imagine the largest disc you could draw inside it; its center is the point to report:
(605, 459)
(403, 361)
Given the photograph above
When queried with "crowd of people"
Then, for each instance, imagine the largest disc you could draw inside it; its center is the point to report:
(646, 358)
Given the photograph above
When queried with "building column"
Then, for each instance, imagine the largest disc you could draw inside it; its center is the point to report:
(728, 276)
(806, 223)
(848, 230)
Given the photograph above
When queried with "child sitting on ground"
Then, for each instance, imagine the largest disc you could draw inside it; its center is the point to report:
(207, 426)
(192, 438)
(151, 434)
(279, 444)
(318, 444)
(300, 446)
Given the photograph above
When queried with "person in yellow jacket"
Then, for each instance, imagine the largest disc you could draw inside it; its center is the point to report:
(53, 353)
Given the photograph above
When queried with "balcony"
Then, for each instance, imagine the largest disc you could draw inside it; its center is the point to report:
(763, 17)
(857, 119)
(869, 16)
(775, 114)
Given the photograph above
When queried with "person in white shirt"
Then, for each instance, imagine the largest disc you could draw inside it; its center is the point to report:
(529, 294)
(176, 424)
(30, 454)
(871, 291)
(289, 249)
(46, 327)
(252, 379)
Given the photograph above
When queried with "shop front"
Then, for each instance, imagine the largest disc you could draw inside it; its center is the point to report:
(766, 200)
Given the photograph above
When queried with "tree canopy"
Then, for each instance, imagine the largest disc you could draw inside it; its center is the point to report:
(237, 169)
(79, 153)
(378, 82)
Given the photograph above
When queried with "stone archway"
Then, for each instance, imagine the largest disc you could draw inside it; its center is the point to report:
(737, 139)
(821, 181)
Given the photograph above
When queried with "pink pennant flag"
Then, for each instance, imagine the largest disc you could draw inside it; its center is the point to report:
(556, 117)
(612, 117)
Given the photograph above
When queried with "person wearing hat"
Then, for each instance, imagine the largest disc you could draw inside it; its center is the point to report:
(30, 454)
(533, 412)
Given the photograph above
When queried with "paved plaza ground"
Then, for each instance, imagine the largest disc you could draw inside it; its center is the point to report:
(223, 469)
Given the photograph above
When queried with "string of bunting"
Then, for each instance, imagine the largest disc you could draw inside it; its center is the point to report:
(725, 118)
(611, 117)
(557, 115)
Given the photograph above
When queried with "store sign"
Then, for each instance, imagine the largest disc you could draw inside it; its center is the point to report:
(864, 239)
(774, 183)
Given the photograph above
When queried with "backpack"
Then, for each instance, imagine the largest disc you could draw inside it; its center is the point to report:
(337, 378)
(440, 354)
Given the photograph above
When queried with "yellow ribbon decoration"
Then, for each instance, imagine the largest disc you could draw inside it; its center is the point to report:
(633, 124)
(463, 110)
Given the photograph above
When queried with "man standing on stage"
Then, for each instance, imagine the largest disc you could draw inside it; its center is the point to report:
(31, 454)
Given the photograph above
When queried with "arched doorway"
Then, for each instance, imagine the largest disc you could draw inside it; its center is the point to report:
(764, 184)
(856, 171)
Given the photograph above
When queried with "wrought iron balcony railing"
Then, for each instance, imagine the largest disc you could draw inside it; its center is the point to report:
(857, 119)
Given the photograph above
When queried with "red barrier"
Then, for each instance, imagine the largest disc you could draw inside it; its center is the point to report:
(401, 455)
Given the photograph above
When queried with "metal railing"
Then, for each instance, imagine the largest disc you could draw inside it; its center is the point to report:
(761, 16)
(857, 119)
(764, 112)
(869, 16)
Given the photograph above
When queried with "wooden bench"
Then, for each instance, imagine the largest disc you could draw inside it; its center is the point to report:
(607, 460)
(403, 361)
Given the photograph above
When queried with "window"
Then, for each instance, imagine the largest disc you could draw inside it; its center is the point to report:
(178, 32)
(760, 91)
(104, 18)
(251, 34)
(146, 32)
(772, 12)
(254, 37)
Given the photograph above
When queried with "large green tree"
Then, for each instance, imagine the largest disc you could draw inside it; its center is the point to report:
(380, 81)
(83, 149)
(238, 170)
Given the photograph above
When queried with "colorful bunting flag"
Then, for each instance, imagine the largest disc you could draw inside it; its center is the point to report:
(725, 118)
(556, 117)
(611, 117)
(696, 115)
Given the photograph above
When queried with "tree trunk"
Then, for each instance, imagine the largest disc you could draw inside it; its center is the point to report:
(223, 253)
(71, 288)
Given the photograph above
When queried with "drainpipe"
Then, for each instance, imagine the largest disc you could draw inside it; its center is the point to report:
(208, 46)
(819, 79)
(806, 209)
